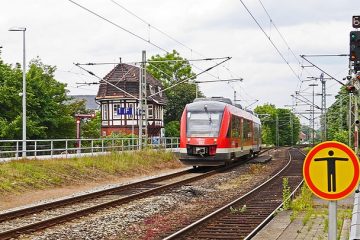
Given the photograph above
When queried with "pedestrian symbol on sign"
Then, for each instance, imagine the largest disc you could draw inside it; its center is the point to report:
(331, 170)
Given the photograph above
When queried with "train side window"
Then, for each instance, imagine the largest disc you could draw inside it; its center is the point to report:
(246, 130)
(235, 131)
(228, 134)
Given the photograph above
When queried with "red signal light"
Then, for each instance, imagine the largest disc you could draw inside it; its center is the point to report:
(350, 88)
(352, 56)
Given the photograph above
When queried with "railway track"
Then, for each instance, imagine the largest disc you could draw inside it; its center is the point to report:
(31, 219)
(245, 216)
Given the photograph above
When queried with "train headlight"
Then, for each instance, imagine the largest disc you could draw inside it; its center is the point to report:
(188, 140)
(215, 140)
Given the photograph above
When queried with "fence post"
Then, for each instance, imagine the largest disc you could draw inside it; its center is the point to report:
(66, 148)
(35, 149)
(51, 148)
(92, 146)
(79, 148)
(17, 150)
(102, 145)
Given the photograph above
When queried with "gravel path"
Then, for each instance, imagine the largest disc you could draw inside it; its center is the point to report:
(158, 216)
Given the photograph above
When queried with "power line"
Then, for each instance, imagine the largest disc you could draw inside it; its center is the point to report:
(164, 33)
(101, 79)
(118, 26)
(268, 37)
(192, 77)
(156, 61)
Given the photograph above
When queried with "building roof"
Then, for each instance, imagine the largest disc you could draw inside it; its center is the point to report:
(126, 77)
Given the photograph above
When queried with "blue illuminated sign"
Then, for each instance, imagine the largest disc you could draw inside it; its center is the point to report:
(124, 111)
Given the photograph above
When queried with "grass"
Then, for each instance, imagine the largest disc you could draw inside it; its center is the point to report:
(303, 203)
(17, 176)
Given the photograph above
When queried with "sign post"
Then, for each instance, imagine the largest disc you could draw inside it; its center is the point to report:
(331, 171)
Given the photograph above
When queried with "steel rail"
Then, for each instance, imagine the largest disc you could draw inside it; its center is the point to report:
(86, 211)
(63, 202)
(188, 229)
(263, 223)
(79, 213)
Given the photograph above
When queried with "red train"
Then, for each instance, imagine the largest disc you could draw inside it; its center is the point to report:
(213, 131)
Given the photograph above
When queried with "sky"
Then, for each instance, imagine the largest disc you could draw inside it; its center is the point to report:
(61, 33)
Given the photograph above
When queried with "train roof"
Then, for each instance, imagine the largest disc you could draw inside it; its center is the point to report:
(218, 104)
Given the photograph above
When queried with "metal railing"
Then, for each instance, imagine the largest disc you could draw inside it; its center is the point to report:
(64, 148)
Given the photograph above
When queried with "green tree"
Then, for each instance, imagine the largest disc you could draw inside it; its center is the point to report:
(49, 115)
(172, 129)
(336, 117)
(169, 73)
(91, 127)
(267, 115)
(287, 121)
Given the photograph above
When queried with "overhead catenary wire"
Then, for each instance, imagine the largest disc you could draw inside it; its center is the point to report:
(102, 79)
(192, 77)
(164, 33)
(118, 26)
(268, 37)
(128, 31)
(156, 61)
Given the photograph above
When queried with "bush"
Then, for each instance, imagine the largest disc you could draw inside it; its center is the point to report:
(172, 129)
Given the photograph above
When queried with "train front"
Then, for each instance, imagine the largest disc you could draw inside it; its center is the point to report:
(200, 133)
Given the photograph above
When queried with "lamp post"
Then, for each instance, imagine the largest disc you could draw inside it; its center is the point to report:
(22, 29)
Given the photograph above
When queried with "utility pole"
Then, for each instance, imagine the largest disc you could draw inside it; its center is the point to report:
(356, 129)
(142, 102)
(313, 112)
(292, 130)
(323, 106)
(341, 114)
(277, 131)
(350, 118)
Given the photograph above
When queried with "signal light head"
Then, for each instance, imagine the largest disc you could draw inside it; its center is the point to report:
(350, 88)
(352, 56)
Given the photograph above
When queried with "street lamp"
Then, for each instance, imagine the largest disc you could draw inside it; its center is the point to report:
(22, 29)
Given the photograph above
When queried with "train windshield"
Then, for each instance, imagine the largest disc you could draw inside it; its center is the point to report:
(203, 124)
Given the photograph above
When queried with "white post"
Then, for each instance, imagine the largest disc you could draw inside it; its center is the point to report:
(22, 29)
(332, 220)
(24, 99)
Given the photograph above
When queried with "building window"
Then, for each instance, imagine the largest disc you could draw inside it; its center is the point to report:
(159, 89)
(116, 111)
(105, 111)
(150, 111)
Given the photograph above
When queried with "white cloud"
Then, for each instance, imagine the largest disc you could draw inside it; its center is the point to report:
(62, 33)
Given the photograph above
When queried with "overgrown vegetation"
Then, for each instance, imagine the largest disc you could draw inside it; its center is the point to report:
(17, 176)
(238, 210)
(286, 194)
(302, 203)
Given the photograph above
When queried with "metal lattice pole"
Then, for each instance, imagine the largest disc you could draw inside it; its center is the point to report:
(323, 106)
(143, 115)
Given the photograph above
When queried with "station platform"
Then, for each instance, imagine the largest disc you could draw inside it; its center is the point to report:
(284, 227)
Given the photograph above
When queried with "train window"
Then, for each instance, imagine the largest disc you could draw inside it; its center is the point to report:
(202, 124)
(235, 126)
(256, 132)
(228, 134)
(247, 130)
